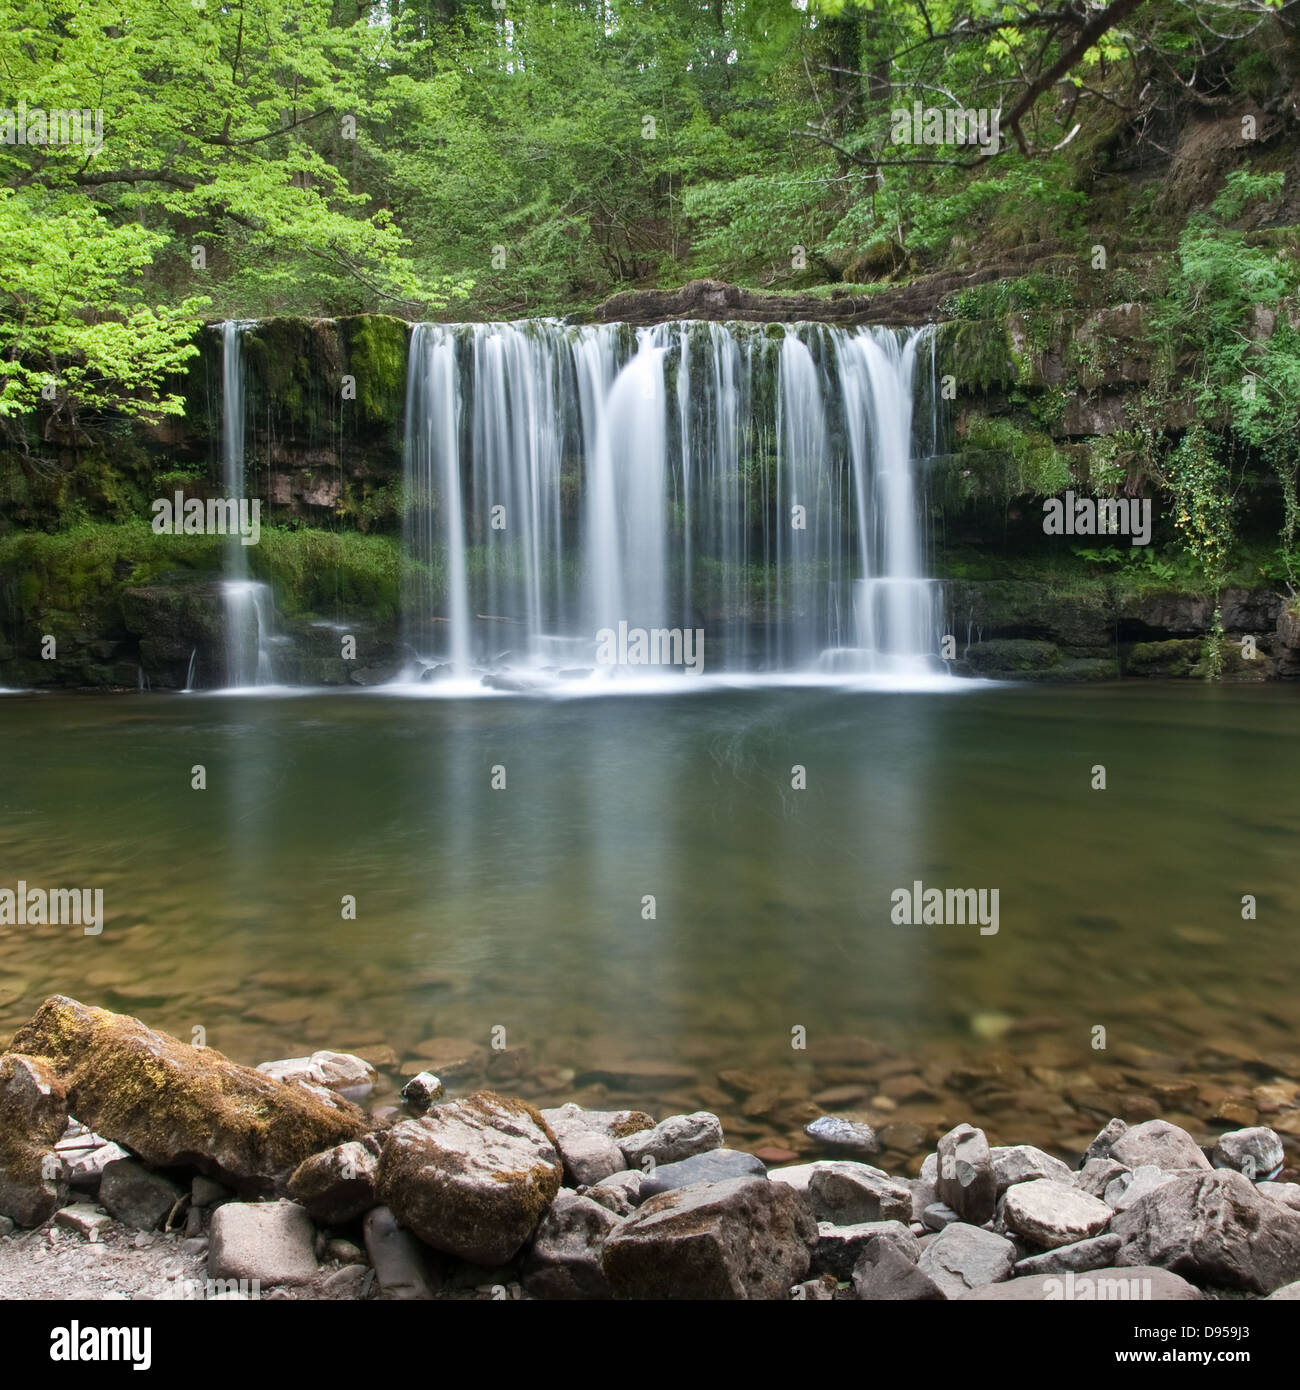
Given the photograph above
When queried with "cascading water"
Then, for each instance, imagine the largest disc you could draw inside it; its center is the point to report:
(248, 605)
(755, 483)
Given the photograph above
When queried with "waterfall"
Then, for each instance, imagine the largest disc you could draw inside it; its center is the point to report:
(756, 483)
(247, 605)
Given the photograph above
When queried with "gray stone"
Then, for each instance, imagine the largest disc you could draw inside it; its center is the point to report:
(83, 1219)
(398, 1259)
(1024, 1163)
(6, 1226)
(336, 1071)
(564, 1261)
(924, 1194)
(1097, 1174)
(86, 1167)
(884, 1275)
(938, 1215)
(206, 1193)
(1159, 1144)
(1214, 1227)
(739, 1239)
(1288, 1193)
(1256, 1152)
(619, 1193)
(272, 1242)
(589, 1157)
(1129, 1188)
(930, 1170)
(1139, 1283)
(715, 1166)
(677, 1137)
(33, 1116)
(135, 1196)
(338, 1185)
(1049, 1213)
(965, 1257)
(613, 1124)
(344, 1252)
(966, 1180)
(1286, 1293)
(1083, 1255)
(839, 1248)
(850, 1193)
(344, 1283)
(423, 1090)
(846, 1136)
(472, 1178)
(1105, 1141)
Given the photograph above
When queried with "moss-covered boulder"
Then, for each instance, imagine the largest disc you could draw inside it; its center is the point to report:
(1175, 657)
(1008, 658)
(178, 1105)
(33, 1115)
(473, 1177)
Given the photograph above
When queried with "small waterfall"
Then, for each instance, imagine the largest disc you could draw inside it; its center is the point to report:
(248, 606)
(755, 482)
(189, 672)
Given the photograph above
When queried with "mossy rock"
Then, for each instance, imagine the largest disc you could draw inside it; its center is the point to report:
(1009, 658)
(1163, 659)
(376, 348)
(976, 353)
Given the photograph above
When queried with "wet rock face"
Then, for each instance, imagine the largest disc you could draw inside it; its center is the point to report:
(472, 1178)
(174, 1105)
(33, 1116)
(739, 1239)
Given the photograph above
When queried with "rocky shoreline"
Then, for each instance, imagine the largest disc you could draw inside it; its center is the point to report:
(133, 1165)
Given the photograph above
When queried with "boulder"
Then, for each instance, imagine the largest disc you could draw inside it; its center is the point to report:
(715, 1166)
(174, 1105)
(963, 1257)
(33, 1116)
(1049, 1213)
(938, 1215)
(1024, 1163)
(1128, 1188)
(271, 1242)
(336, 1071)
(137, 1197)
(564, 1261)
(589, 1157)
(473, 1177)
(966, 1180)
(1158, 1144)
(1137, 1284)
(677, 1137)
(1083, 1255)
(1105, 1141)
(86, 1167)
(1256, 1152)
(1097, 1175)
(840, 1248)
(398, 1259)
(423, 1090)
(884, 1274)
(1288, 1193)
(847, 1193)
(619, 1193)
(739, 1239)
(1215, 1228)
(1286, 1294)
(338, 1184)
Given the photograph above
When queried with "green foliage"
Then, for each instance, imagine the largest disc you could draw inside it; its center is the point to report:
(1032, 466)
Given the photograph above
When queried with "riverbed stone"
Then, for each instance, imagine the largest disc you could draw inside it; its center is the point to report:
(839, 1248)
(423, 1090)
(337, 1071)
(1215, 1228)
(1127, 1189)
(715, 1166)
(338, 1185)
(620, 1192)
(963, 1257)
(1288, 1193)
(1097, 1175)
(588, 1156)
(174, 1105)
(884, 1274)
(473, 1177)
(1158, 1144)
(1024, 1163)
(272, 1242)
(1138, 1283)
(677, 1137)
(937, 1216)
(86, 1167)
(1049, 1213)
(966, 1180)
(1286, 1294)
(739, 1239)
(137, 1197)
(1256, 1152)
(83, 1219)
(1097, 1253)
(1110, 1134)
(614, 1124)
(399, 1260)
(564, 1259)
(843, 1135)
(33, 1116)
